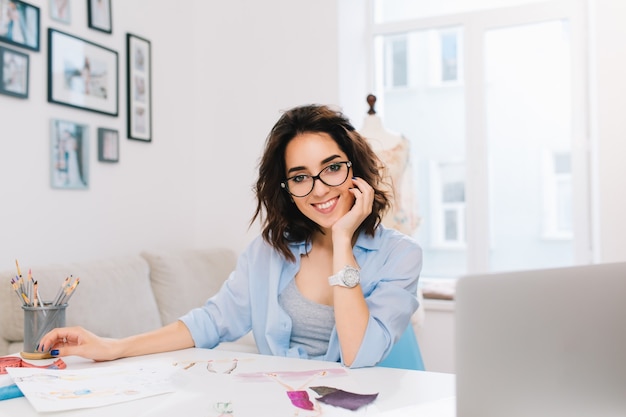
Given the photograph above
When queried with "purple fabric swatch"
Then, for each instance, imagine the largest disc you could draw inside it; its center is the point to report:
(343, 399)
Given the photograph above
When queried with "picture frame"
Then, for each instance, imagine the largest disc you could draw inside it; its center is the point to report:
(82, 74)
(99, 15)
(14, 73)
(108, 145)
(60, 11)
(20, 24)
(69, 155)
(139, 87)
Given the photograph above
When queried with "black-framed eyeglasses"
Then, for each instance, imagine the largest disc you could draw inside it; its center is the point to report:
(333, 175)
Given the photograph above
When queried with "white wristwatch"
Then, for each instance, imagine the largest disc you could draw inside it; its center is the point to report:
(348, 277)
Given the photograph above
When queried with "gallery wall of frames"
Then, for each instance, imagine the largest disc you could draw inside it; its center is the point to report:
(81, 74)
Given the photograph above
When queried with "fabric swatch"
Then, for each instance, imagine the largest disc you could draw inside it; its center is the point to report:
(344, 399)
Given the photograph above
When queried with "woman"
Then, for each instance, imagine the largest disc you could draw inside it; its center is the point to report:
(324, 280)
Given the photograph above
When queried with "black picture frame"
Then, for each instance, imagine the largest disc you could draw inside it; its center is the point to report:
(69, 155)
(139, 88)
(99, 15)
(20, 24)
(82, 74)
(14, 72)
(108, 145)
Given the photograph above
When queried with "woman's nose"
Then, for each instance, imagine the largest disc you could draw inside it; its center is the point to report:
(319, 188)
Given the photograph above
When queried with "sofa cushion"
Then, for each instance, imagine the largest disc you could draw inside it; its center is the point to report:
(185, 279)
(114, 298)
(11, 313)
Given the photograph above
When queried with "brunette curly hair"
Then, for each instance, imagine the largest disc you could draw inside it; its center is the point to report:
(281, 220)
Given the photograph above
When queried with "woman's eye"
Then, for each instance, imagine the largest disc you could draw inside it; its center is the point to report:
(299, 178)
(334, 167)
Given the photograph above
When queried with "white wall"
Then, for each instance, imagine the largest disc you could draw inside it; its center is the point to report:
(222, 71)
(254, 60)
(608, 106)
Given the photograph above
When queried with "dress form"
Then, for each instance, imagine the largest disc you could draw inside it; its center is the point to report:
(393, 149)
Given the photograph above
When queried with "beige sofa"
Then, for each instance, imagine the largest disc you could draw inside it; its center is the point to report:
(123, 296)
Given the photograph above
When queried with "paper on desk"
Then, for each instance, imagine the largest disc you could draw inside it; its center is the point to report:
(59, 390)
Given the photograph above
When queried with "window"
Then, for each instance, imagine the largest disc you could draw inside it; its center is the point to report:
(445, 58)
(449, 56)
(448, 204)
(494, 97)
(396, 62)
(557, 195)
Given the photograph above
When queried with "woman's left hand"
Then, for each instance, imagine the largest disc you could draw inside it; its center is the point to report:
(363, 203)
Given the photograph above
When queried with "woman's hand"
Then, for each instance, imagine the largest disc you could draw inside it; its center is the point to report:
(363, 203)
(67, 341)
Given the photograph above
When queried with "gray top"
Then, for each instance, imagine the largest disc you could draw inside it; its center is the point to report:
(312, 323)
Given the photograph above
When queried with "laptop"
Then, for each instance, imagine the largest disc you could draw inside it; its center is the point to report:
(548, 342)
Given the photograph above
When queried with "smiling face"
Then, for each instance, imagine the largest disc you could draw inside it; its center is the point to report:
(309, 154)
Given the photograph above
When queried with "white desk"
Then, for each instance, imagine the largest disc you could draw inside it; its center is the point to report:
(401, 392)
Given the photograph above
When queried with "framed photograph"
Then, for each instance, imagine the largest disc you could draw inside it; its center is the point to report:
(60, 11)
(108, 145)
(13, 73)
(19, 24)
(82, 74)
(139, 84)
(69, 155)
(99, 15)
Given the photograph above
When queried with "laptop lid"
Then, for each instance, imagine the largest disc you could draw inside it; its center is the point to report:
(546, 342)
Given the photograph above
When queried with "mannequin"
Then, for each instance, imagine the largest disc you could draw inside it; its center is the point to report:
(394, 151)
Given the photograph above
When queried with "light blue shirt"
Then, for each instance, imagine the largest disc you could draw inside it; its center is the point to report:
(390, 264)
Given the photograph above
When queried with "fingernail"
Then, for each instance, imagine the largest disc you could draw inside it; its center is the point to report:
(54, 352)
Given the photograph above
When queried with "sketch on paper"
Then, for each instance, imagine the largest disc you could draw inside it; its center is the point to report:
(53, 390)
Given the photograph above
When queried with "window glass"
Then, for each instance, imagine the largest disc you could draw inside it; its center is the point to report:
(398, 62)
(528, 116)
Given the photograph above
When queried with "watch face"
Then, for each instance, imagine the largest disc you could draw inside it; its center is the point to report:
(351, 277)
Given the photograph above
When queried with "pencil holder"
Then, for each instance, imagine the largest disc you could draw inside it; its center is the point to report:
(40, 320)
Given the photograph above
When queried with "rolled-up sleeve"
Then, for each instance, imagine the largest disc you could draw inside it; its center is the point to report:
(226, 316)
(389, 281)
